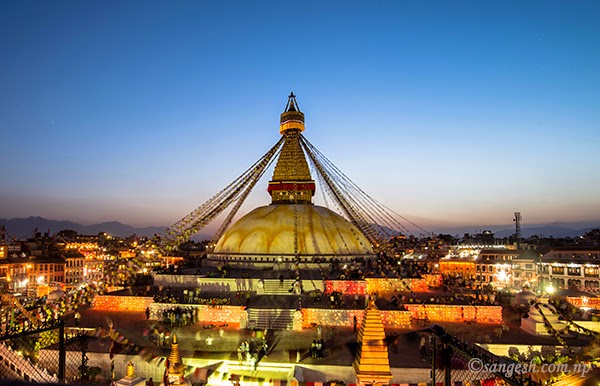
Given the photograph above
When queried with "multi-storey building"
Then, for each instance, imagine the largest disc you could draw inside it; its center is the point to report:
(494, 266)
(524, 270)
(74, 268)
(93, 269)
(571, 267)
(46, 273)
(17, 273)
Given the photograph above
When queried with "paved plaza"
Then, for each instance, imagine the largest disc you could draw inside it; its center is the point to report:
(340, 342)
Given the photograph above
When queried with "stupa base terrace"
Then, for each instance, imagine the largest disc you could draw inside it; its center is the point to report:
(275, 301)
(209, 346)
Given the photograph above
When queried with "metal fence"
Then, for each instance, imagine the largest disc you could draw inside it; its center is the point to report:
(455, 362)
(46, 354)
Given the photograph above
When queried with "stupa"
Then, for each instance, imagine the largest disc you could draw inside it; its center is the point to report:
(291, 228)
(176, 369)
(534, 322)
(130, 379)
(371, 363)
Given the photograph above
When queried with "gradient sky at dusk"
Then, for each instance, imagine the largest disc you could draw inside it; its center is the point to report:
(450, 113)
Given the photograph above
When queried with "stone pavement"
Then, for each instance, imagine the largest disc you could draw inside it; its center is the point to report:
(283, 345)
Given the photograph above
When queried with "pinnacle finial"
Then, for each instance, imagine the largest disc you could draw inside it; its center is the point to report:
(292, 117)
(292, 104)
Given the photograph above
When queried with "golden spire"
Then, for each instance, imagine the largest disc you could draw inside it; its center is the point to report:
(291, 181)
(372, 365)
(176, 366)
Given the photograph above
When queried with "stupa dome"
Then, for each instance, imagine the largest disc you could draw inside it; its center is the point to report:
(290, 230)
(524, 298)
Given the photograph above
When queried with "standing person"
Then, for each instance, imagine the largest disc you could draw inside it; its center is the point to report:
(77, 317)
(320, 349)
(147, 313)
(422, 345)
(240, 355)
(150, 382)
(354, 322)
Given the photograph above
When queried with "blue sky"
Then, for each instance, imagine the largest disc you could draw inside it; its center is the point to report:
(450, 113)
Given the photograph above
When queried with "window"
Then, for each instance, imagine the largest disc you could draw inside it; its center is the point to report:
(558, 270)
(574, 271)
(591, 271)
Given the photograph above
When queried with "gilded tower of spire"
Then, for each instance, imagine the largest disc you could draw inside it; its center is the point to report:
(176, 366)
(371, 364)
(292, 182)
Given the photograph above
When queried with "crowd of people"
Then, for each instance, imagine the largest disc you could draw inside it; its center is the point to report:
(251, 352)
(179, 316)
(157, 334)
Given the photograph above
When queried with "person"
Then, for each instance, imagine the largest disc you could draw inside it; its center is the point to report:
(147, 313)
(354, 322)
(395, 344)
(77, 317)
(422, 345)
(150, 382)
(319, 349)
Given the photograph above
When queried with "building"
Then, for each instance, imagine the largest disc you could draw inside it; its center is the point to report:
(571, 267)
(93, 269)
(494, 266)
(74, 268)
(524, 270)
(464, 267)
(46, 274)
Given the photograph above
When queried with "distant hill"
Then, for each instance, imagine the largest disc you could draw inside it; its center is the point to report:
(24, 227)
(556, 229)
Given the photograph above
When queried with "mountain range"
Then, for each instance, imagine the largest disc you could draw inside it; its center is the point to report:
(554, 229)
(24, 227)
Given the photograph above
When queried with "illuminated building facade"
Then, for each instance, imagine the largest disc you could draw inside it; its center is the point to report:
(494, 266)
(74, 268)
(524, 270)
(457, 266)
(571, 267)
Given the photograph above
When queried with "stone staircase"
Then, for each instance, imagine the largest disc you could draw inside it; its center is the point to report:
(274, 287)
(273, 319)
(14, 366)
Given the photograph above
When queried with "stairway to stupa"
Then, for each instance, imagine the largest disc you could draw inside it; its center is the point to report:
(276, 287)
(273, 319)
